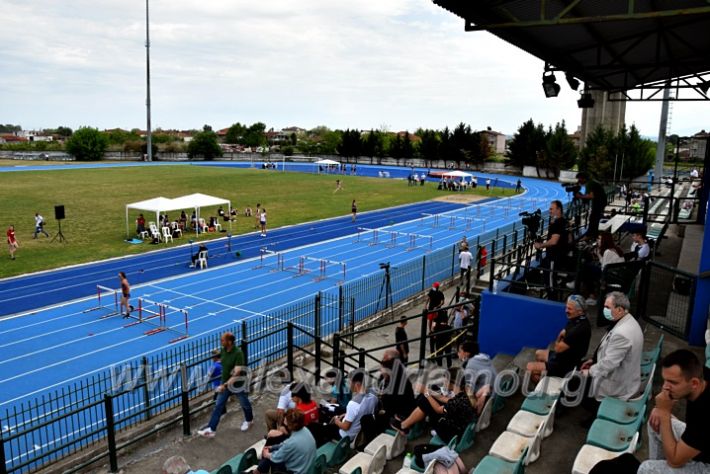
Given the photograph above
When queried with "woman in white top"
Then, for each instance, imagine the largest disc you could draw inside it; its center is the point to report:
(607, 250)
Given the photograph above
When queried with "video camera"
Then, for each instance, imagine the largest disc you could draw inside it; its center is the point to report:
(532, 220)
(572, 188)
(385, 266)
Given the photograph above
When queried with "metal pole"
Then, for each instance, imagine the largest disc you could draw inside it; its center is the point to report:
(149, 136)
(289, 353)
(422, 339)
(661, 150)
(185, 398)
(146, 392)
(110, 433)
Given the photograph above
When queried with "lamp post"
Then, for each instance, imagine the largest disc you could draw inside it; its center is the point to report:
(149, 137)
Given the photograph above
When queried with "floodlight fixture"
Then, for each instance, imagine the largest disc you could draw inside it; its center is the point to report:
(572, 81)
(585, 100)
(549, 84)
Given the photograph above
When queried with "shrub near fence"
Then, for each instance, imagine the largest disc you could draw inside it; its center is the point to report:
(72, 419)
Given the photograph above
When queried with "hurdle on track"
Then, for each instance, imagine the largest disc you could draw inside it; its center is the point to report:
(467, 221)
(266, 255)
(106, 298)
(322, 269)
(434, 217)
(157, 315)
(392, 238)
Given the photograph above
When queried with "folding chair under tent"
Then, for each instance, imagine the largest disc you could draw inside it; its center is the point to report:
(195, 201)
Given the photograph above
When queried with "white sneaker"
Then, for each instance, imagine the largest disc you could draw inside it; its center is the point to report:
(206, 432)
(433, 432)
(245, 425)
(570, 285)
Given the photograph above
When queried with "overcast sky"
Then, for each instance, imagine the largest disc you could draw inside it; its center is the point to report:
(401, 64)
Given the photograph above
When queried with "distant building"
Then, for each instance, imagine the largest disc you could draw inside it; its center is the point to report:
(609, 114)
(576, 138)
(12, 138)
(34, 136)
(276, 137)
(698, 144)
(496, 140)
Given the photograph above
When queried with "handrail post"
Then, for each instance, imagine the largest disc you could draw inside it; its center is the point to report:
(289, 353)
(423, 272)
(336, 350)
(3, 466)
(341, 308)
(493, 264)
(245, 344)
(361, 358)
(146, 380)
(110, 433)
(422, 339)
(185, 399)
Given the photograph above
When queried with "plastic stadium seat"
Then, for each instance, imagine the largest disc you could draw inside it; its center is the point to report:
(368, 463)
(527, 424)
(540, 404)
(622, 412)
(588, 456)
(335, 453)
(239, 463)
(498, 401)
(493, 465)
(319, 465)
(429, 469)
(394, 441)
(511, 446)
(552, 386)
(467, 438)
(613, 436)
(224, 470)
(258, 447)
(484, 419)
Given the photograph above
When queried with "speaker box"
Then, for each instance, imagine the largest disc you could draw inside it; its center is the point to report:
(59, 212)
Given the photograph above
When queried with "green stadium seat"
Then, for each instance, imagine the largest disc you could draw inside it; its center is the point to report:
(624, 412)
(540, 404)
(493, 465)
(613, 436)
(335, 452)
(319, 465)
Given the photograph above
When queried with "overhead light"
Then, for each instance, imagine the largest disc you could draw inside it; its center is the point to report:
(585, 101)
(704, 86)
(572, 81)
(550, 85)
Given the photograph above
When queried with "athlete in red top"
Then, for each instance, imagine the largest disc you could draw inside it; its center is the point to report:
(12, 241)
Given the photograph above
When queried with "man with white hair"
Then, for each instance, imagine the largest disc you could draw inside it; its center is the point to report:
(178, 465)
(571, 344)
(615, 370)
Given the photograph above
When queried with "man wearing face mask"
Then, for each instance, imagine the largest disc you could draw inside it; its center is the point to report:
(615, 369)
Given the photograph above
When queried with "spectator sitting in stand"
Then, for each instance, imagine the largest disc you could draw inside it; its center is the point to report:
(362, 403)
(178, 465)
(448, 414)
(479, 373)
(396, 393)
(295, 454)
(571, 344)
(640, 250)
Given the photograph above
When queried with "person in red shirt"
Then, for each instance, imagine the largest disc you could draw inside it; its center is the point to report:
(482, 259)
(12, 243)
(302, 398)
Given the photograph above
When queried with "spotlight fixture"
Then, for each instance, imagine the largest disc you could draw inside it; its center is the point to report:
(549, 84)
(572, 81)
(585, 101)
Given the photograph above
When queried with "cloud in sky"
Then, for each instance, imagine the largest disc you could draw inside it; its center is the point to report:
(398, 63)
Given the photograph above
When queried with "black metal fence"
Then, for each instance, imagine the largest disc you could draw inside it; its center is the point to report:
(665, 297)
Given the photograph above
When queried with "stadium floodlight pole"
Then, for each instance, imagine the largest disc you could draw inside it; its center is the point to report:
(149, 138)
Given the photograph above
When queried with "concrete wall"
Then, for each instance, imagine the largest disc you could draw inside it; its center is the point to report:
(510, 322)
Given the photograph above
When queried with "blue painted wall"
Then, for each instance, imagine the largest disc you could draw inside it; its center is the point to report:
(510, 322)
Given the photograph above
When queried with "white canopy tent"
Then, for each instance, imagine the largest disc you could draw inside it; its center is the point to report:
(327, 162)
(194, 201)
(457, 174)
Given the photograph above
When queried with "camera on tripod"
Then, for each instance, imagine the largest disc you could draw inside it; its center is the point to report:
(572, 188)
(385, 266)
(531, 221)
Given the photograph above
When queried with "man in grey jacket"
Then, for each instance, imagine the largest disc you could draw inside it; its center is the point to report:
(615, 370)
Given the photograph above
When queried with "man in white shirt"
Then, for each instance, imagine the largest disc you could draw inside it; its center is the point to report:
(465, 258)
(39, 226)
(274, 417)
(362, 403)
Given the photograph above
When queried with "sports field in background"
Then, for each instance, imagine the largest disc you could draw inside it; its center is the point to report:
(95, 201)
